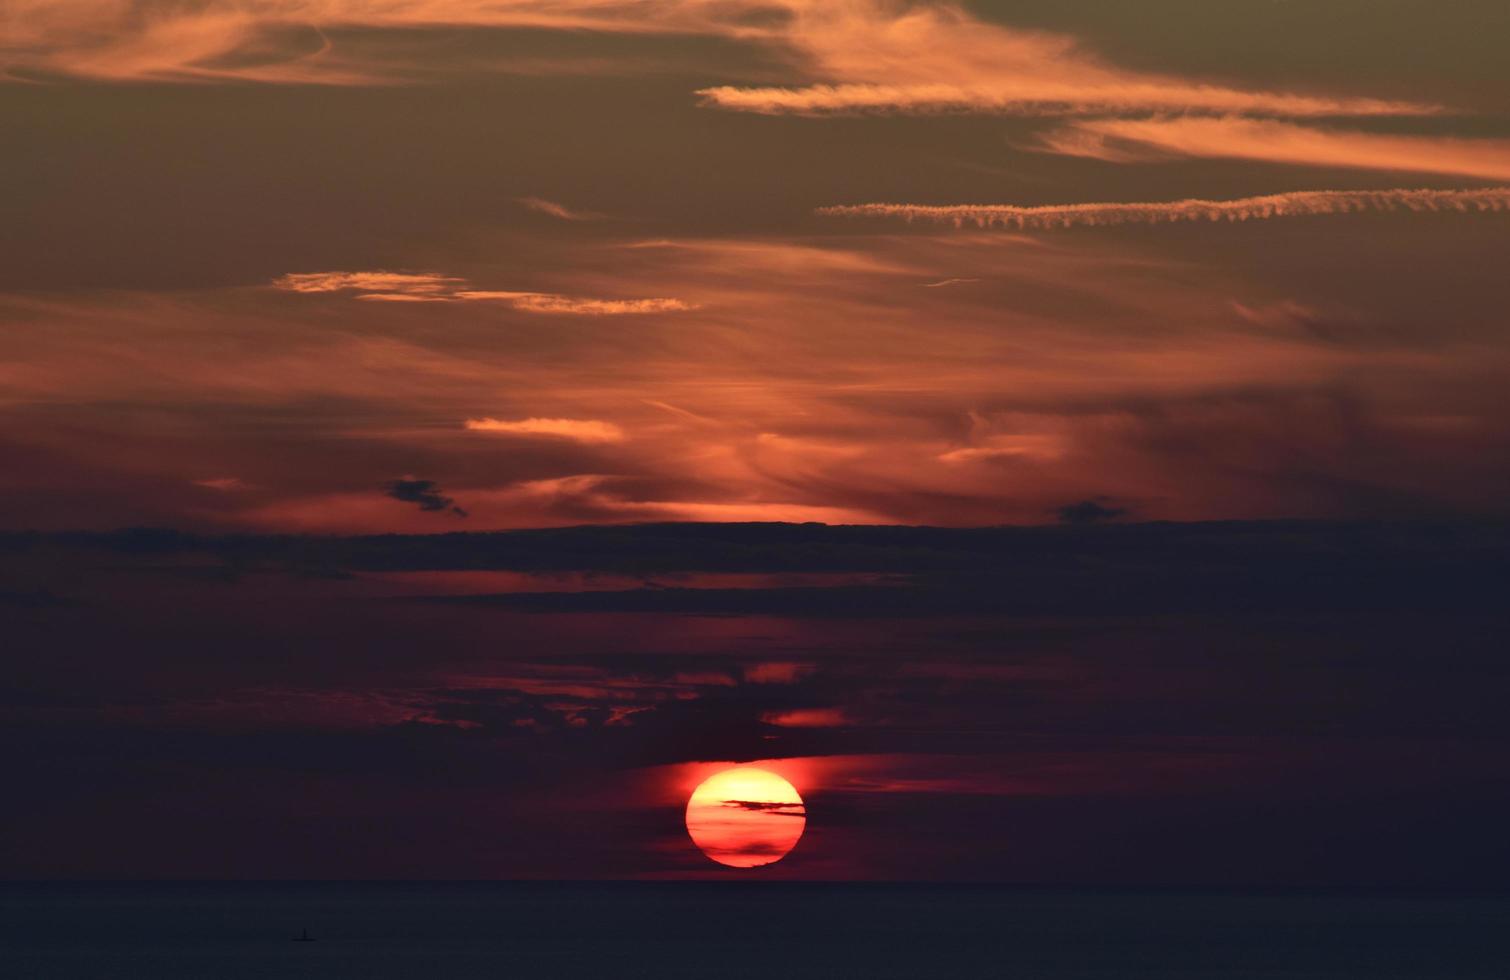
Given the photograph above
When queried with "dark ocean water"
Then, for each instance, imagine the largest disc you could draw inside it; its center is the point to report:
(771, 931)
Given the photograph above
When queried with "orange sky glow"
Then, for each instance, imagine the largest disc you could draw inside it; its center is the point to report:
(463, 428)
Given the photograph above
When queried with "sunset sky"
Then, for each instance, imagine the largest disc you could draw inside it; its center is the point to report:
(579, 261)
(272, 268)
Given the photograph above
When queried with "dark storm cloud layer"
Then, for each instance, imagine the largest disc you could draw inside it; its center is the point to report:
(1343, 681)
(1217, 566)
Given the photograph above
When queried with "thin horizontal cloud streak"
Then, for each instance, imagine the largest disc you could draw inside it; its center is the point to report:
(1272, 141)
(553, 303)
(400, 287)
(580, 430)
(1292, 204)
(377, 282)
(1026, 97)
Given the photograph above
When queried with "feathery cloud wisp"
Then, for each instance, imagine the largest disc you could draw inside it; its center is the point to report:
(1120, 140)
(1299, 203)
(542, 206)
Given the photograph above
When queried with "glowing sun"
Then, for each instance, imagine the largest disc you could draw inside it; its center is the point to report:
(746, 817)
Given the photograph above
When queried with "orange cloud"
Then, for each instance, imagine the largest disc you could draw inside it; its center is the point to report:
(1279, 142)
(806, 718)
(777, 672)
(553, 303)
(876, 57)
(859, 55)
(821, 382)
(1028, 96)
(385, 286)
(1293, 204)
(581, 430)
(542, 206)
(290, 41)
(379, 282)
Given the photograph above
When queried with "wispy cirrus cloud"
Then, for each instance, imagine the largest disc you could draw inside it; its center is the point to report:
(542, 206)
(858, 56)
(411, 287)
(297, 41)
(1273, 141)
(579, 430)
(871, 57)
(1293, 204)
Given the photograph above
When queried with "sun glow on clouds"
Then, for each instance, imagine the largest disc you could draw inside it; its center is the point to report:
(820, 384)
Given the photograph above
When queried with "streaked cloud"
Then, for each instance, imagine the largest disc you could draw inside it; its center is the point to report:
(857, 56)
(1123, 140)
(553, 303)
(400, 287)
(1293, 204)
(225, 484)
(377, 282)
(542, 206)
(298, 42)
(1027, 96)
(874, 57)
(580, 430)
(821, 381)
(806, 718)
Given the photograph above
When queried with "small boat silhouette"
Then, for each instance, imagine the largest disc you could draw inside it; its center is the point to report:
(304, 937)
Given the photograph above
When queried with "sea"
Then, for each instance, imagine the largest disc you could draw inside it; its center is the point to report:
(709, 930)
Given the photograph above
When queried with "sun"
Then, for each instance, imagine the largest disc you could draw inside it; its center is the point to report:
(746, 817)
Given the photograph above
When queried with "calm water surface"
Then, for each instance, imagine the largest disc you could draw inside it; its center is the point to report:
(771, 931)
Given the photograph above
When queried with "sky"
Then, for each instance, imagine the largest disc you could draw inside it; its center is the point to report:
(587, 262)
(1067, 441)
(1230, 705)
